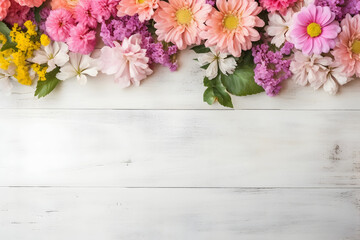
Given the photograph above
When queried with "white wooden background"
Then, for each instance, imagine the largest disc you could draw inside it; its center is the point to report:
(156, 163)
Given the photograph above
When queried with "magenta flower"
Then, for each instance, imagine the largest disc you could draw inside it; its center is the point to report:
(314, 30)
(58, 24)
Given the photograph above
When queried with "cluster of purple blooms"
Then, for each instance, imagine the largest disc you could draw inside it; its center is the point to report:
(119, 28)
(341, 7)
(271, 67)
(211, 2)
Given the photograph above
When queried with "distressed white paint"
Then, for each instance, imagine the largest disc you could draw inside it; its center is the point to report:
(179, 90)
(72, 168)
(188, 148)
(162, 214)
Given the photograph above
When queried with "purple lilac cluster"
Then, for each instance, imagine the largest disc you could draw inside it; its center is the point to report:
(44, 13)
(211, 2)
(119, 28)
(341, 7)
(271, 67)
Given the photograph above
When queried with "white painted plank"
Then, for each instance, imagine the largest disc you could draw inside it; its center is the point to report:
(180, 90)
(177, 214)
(181, 148)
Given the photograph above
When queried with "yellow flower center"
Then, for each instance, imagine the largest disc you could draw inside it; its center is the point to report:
(184, 16)
(231, 22)
(140, 1)
(314, 30)
(355, 48)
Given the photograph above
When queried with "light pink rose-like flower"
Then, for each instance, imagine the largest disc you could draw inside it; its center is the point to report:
(82, 39)
(144, 8)
(127, 61)
(181, 21)
(58, 24)
(30, 3)
(347, 50)
(314, 30)
(4, 6)
(232, 28)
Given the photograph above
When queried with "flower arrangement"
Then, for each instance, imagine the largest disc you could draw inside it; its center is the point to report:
(245, 47)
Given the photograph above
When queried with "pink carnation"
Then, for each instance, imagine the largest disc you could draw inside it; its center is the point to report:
(58, 24)
(4, 6)
(145, 8)
(30, 3)
(85, 14)
(314, 30)
(82, 39)
(277, 5)
(104, 9)
(127, 61)
(16, 14)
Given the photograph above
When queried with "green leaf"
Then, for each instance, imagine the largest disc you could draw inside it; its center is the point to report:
(4, 29)
(216, 91)
(6, 32)
(43, 88)
(200, 49)
(242, 82)
(37, 11)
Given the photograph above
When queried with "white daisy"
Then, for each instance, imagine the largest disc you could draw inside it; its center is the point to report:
(279, 26)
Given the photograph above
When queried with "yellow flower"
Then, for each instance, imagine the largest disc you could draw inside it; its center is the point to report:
(40, 71)
(3, 39)
(31, 28)
(44, 39)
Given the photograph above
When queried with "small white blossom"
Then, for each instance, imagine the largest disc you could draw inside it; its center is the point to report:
(217, 60)
(79, 67)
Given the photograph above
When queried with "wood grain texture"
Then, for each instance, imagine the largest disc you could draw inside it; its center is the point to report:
(179, 90)
(162, 214)
(179, 148)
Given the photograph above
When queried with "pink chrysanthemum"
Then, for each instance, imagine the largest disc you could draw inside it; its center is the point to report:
(82, 39)
(232, 28)
(314, 30)
(4, 6)
(16, 14)
(277, 5)
(65, 4)
(104, 9)
(181, 21)
(347, 50)
(84, 13)
(127, 61)
(144, 8)
(30, 3)
(58, 24)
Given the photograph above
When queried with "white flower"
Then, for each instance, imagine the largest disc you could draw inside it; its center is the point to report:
(279, 26)
(54, 54)
(217, 60)
(6, 79)
(77, 68)
(319, 71)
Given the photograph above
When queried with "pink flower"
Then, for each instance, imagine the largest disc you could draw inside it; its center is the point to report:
(82, 39)
(84, 13)
(65, 4)
(104, 9)
(314, 30)
(232, 28)
(144, 8)
(30, 3)
(4, 6)
(181, 21)
(347, 50)
(127, 61)
(277, 5)
(16, 14)
(58, 24)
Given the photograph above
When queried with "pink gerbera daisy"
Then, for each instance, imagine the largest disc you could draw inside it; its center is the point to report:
(30, 3)
(144, 8)
(347, 50)
(232, 28)
(314, 30)
(58, 24)
(181, 21)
